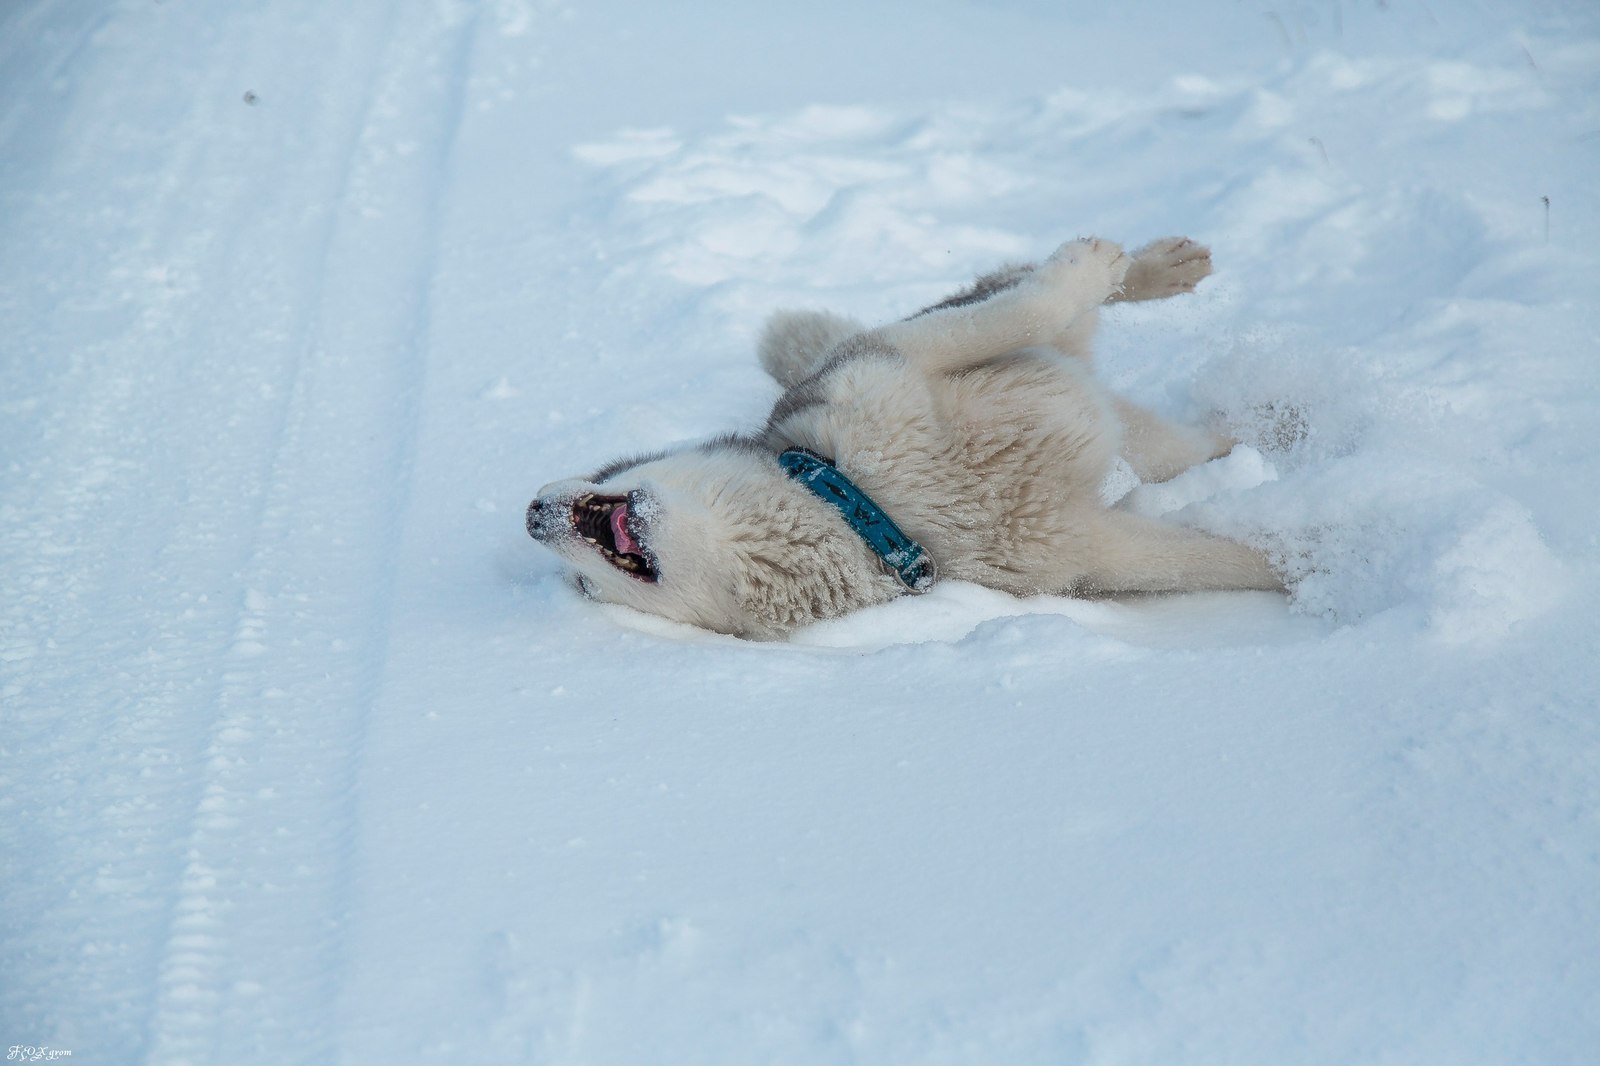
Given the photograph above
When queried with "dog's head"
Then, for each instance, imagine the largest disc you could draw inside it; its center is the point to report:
(712, 535)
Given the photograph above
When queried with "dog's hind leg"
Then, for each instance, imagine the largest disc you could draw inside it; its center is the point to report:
(795, 344)
(1135, 554)
(1159, 450)
(1039, 307)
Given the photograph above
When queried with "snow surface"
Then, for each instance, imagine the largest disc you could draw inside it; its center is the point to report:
(310, 755)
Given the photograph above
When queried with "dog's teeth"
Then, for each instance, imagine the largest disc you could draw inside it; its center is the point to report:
(591, 521)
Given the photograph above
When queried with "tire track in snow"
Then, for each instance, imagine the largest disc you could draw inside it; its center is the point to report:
(254, 952)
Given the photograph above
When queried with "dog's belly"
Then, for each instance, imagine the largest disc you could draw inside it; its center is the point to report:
(1019, 454)
(996, 470)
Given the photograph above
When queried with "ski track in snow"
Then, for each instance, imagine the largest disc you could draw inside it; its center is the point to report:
(246, 952)
(308, 754)
(318, 640)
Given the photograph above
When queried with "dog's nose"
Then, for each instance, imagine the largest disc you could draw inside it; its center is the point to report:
(535, 525)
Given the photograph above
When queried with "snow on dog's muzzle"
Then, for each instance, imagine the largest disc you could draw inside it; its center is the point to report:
(539, 520)
(607, 524)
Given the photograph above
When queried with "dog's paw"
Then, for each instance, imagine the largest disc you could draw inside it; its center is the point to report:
(1165, 268)
(1089, 267)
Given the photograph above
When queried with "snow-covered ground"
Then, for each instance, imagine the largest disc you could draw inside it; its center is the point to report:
(308, 754)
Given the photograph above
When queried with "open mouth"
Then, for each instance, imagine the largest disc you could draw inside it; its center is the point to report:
(608, 523)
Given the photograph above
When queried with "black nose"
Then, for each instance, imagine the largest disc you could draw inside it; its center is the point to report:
(535, 513)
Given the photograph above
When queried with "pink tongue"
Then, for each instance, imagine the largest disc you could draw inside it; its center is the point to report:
(619, 531)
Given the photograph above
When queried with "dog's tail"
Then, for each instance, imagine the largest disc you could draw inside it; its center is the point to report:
(795, 344)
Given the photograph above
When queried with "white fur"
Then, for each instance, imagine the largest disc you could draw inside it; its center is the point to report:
(792, 340)
(978, 426)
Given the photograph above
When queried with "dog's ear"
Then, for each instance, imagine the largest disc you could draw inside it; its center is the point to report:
(795, 344)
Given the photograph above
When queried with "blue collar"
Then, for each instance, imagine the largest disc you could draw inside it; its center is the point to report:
(904, 557)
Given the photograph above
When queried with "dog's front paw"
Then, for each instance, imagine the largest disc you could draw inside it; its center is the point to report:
(1092, 266)
(1165, 268)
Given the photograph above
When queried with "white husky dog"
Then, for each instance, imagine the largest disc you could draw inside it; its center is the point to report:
(972, 437)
